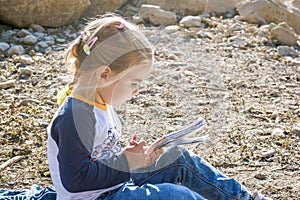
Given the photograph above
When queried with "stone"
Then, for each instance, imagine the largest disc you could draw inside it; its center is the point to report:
(4, 46)
(25, 71)
(286, 51)
(267, 11)
(221, 7)
(37, 28)
(50, 13)
(6, 35)
(188, 7)
(23, 33)
(190, 21)
(7, 84)
(102, 6)
(25, 59)
(296, 130)
(30, 39)
(156, 15)
(171, 29)
(277, 132)
(16, 50)
(284, 34)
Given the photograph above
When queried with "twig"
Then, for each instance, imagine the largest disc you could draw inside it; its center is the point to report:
(10, 162)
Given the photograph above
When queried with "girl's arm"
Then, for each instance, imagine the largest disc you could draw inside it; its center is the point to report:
(78, 171)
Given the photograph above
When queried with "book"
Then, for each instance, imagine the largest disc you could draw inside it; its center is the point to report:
(180, 137)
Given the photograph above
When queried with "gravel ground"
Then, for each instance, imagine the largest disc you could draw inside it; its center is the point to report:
(229, 73)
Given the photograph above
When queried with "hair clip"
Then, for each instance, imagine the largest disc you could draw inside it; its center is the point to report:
(87, 44)
(120, 26)
(84, 35)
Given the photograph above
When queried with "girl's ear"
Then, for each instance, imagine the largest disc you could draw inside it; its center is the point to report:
(103, 73)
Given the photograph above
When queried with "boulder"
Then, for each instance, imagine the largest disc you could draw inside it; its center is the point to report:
(221, 7)
(284, 34)
(49, 13)
(98, 7)
(156, 15)
(267, 11)
(187, 7)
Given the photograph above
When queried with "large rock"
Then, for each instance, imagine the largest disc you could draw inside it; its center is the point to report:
(156, 15)
(284, 34)
(221, 7)
(49, 13)
(267, 11)
(98, 7)
(187, 7)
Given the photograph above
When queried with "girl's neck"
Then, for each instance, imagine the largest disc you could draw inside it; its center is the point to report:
(92, 95)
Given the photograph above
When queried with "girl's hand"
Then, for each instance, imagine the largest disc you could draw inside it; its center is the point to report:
(152, 157)
(143, 159)
(135, 155)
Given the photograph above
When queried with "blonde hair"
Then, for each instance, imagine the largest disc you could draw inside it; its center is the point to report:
(118, 47)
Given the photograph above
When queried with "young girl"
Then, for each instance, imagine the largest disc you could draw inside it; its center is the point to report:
(110, 58)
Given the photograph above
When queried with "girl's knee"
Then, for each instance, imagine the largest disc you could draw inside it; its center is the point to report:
(163, 191)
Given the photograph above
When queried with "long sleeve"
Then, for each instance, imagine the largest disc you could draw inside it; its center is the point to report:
(73, 131)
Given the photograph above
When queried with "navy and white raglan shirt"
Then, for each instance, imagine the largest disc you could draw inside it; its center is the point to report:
(84, 150)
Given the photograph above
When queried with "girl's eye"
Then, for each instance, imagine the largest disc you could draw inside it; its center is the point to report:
(134, 84)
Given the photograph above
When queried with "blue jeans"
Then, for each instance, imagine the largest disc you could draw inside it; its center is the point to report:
(179, 174)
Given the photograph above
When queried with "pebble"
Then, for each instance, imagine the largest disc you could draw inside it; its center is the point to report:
(268, 153)
(260, 175)
(190, 21)
(30, 40)
(16, 50)
(26, 102)
(7, 84)
(23, 33)
(4, 46)
(171, 29)
(286, 51)
(296, 130)
(60, 40)
(25, 71)
(37, 28)
(25, 59)
(277, 132)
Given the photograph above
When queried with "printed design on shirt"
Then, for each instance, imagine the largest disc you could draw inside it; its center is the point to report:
(110, 146)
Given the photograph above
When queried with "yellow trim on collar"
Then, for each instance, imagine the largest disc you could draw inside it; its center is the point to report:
(98, 105)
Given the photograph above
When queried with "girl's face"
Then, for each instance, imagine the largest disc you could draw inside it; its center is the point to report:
(127, 86)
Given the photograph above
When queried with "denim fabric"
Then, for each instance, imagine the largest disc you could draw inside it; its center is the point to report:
(36, 192)
(179, 174)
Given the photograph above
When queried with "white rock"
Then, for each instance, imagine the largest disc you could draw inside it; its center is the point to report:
(286, 51)
(30, 39)
(156, 15)
(4, 46)
(284, 34)
(7, 84)
(25, 71)
(16, 50)
(267, 11)
(190, 21)
(171, 29)
(25, 59)
(278, 132)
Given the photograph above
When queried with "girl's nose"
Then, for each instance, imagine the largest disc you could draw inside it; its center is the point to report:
(136, 91)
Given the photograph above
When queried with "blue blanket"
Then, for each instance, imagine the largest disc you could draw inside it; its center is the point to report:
(36, 192)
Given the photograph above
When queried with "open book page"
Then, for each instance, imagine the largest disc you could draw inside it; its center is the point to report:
(180, 137)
